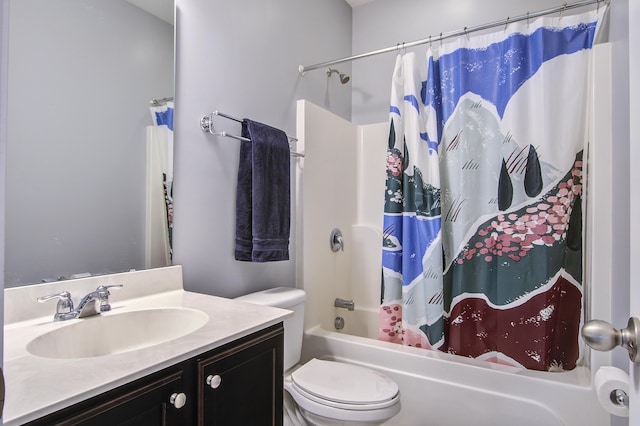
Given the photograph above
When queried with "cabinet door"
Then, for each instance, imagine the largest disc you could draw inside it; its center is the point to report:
(145, 404)
(243, 383)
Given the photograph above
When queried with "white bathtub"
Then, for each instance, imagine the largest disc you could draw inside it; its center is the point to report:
(442, 389)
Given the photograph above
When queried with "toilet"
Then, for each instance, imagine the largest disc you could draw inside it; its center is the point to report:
(326, 392)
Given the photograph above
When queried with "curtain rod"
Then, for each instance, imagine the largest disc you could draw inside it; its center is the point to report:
(443, 36)
(158, 102)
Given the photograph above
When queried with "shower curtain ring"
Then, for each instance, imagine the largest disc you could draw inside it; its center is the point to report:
(506, 24)
(564, 7)
(527, 19)
(466, 33)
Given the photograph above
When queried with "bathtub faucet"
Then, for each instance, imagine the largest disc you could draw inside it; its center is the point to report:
(344, 303)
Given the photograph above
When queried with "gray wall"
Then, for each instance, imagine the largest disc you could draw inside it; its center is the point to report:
(241, 57)
(81, 74)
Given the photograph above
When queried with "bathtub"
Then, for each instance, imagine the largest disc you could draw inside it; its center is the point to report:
(443, 389)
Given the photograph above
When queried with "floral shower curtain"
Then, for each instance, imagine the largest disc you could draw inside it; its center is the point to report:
(482, 240)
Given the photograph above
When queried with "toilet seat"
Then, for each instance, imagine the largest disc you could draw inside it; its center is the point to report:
(344, 385)
(342, 391)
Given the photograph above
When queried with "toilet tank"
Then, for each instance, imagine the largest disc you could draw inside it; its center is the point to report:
(293, 300)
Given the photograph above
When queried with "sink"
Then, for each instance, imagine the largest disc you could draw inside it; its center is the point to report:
(115, 333)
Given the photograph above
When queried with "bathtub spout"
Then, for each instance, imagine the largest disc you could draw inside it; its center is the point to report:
(344, 303)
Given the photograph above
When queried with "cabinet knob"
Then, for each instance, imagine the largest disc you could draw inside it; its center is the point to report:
(178, 400)
(214, 381)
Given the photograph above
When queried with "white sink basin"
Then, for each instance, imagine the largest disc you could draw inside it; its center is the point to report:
(116, 333)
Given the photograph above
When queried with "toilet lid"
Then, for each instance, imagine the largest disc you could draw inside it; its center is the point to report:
(344, 383)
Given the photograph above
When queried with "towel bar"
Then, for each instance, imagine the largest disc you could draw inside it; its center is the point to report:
(206, 125)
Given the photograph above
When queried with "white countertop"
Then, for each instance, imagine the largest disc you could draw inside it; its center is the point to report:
(37, 386)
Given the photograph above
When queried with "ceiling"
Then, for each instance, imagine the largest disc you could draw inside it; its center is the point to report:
(163, 9)
(355, 3)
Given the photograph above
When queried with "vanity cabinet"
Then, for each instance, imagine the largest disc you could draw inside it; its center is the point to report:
(243, 383)
(144, 402)
(240, 383)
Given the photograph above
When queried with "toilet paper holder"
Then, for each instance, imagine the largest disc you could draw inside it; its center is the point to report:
(602, 336)
(611, 385)
(619, 397)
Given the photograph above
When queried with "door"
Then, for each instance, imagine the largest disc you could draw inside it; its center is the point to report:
(625, 93)
(4, 65)
(634, 193)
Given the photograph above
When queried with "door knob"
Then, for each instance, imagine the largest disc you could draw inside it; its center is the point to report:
(602, 336)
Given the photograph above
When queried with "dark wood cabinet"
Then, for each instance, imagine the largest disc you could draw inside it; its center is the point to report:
(146, 405)
(244, 388)
(242, 385)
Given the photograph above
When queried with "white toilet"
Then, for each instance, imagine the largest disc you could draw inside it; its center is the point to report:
(327, 392)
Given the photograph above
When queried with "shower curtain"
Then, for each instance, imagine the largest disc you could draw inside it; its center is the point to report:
(159, 184)
(482, 235)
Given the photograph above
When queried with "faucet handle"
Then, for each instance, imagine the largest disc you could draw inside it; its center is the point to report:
(336, 240)
(107, 287)
(65, 305)
(103, 296)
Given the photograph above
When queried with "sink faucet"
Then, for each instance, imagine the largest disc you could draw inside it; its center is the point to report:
(92, 304)
(101, 296)
(88, 305)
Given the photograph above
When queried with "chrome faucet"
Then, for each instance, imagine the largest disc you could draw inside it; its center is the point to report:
(92, 304)
(64, 309)
(88, 306)
(336, 241)
(344, 303)
(102, 295)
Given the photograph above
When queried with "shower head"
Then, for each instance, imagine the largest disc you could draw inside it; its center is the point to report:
(343, 77)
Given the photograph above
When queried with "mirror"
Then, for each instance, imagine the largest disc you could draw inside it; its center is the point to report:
(81, 76)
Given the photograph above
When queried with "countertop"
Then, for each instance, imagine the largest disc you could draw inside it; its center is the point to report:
(37, 386)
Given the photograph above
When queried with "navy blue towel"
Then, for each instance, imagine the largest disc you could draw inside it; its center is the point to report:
(263, 209)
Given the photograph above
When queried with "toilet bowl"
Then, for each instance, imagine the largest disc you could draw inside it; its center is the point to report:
(327, 392)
